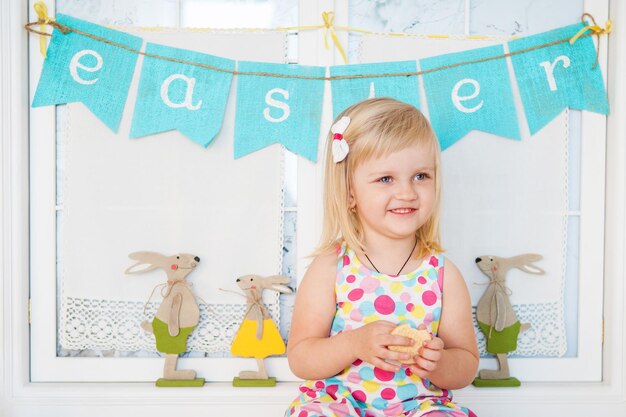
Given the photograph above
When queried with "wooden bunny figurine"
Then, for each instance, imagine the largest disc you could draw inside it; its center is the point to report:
(496, 317)
(177, 315)
(258, 336)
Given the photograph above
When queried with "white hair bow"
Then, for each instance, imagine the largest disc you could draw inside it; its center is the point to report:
(340, 146)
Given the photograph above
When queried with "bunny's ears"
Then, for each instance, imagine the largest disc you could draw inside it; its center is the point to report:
(274, 282)
(278, 283)
(490, 265)
(146, 261)
(526, 263)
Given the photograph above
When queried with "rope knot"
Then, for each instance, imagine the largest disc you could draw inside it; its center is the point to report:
(328, 18)
(595, 29)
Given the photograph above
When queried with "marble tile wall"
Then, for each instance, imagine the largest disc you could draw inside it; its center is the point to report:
(522, 18)
(464, 17)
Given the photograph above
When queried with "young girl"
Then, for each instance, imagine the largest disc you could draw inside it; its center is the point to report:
(380, 265)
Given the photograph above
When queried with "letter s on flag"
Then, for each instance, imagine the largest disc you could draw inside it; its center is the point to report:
(275, 103)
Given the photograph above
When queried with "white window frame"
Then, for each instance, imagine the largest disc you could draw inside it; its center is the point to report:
(587, 365)
(21, 397)
(46, 365)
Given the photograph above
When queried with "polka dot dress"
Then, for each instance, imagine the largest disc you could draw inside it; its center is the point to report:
(364, 296)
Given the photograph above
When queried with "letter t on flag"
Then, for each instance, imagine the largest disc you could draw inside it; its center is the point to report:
(349, 91)
(278, 109)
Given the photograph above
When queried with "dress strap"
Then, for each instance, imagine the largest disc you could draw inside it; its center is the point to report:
(343, 257)
(440, 270)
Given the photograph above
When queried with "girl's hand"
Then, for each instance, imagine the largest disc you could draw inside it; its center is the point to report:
(371, 341)
(428, 358)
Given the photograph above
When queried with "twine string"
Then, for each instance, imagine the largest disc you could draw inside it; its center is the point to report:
(166, 289)
(145, 305)
(329, 27)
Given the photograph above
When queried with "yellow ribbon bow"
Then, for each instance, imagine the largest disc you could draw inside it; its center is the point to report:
(42, 12)
(597, 30)
(328, 18)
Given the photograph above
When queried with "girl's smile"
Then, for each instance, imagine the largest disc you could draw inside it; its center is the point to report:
(403, 210)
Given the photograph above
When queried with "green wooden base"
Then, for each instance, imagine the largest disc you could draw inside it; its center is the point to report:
(161, 382)
(509, 382)
(270, 382)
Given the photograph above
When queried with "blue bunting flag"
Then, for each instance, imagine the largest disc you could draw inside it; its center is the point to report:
(278, 110)
(349, 91)
(189, 98)
(559, 76)
(467, 97)
(79, 68)
(277, 103)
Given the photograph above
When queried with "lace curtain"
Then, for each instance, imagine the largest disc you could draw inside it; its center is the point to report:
(166, 194)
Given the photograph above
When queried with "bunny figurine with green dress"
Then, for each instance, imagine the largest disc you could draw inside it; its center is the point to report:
(177, 315)
(496, 317)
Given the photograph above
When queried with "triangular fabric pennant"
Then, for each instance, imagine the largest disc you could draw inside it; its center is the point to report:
(82, 69)
(278, 109)
(559, 76)
(469, 97)
(175, 95)
(349, 91)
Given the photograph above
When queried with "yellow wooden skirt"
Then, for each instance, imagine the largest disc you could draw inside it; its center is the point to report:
(247, 345)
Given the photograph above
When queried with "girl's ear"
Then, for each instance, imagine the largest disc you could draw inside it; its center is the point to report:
(350, 194)
(351, 201)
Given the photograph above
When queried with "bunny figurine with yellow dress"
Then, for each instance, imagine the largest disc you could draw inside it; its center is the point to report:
(258, 336)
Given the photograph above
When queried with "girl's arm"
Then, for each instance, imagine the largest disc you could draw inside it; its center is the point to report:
(451, 360)
(312, 352)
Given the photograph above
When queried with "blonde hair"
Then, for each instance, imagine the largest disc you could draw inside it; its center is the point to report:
(378, 127)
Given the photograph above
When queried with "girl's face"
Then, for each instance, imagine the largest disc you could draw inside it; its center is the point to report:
(395, 195)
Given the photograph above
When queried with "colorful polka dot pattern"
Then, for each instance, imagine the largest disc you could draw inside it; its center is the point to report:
(364, 296)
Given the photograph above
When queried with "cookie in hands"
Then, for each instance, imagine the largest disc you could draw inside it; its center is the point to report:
(419, 336)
